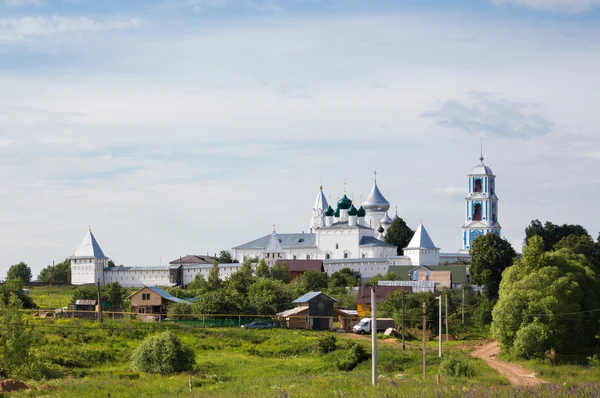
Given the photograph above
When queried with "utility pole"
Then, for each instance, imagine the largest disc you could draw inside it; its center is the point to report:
(51, 274)
(99, 313)
(463, 304)
(440, 326)
(446, 319)
(424, 340)
(373, 336)
(403, 346)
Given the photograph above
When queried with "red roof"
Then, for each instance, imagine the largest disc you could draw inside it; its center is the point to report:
(381, 293)
(304, 265)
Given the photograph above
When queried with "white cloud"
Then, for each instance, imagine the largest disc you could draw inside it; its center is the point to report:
(569, 6)
(29, 27)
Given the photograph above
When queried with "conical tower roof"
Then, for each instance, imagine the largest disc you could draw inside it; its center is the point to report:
(89, 247)
(421, 239)
(321, 202)
(273, 246)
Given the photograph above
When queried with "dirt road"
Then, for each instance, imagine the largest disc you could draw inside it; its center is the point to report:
(516, 374)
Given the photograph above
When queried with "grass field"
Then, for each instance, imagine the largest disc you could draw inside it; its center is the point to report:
(51, 296)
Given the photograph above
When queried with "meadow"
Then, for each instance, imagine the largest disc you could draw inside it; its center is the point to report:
(89, 359)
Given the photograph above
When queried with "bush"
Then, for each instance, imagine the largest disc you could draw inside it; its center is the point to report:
(163, 354)
(532, 341)
(179, 311)
(355, 355)
(457, 365)
(327, 343)
(594, 361)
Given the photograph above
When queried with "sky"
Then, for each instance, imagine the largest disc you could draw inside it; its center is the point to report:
(177, 127)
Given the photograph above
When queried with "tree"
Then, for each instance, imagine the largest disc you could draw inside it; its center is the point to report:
(314, 280)
(179, 311)
(225, 257)
(14, 287)
(340, 280)
(84, 292)
(242, 279)
(111, 264)
(214, 282)
(116, 294)
(399, 234)
(281, 272)
(579, 244)
(262, 269)
(552, 233)
(268, 296)
(15, 339)
(219, 301)
(490, 256)
(19, 271)
(546, 298)
(163, 354)
(199, 284)
(57, 273)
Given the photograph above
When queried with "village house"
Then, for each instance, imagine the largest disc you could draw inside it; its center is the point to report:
(314, 311)
(363, 299)
(299, 267)
(152, 300)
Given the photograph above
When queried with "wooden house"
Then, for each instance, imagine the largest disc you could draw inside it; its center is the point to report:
(152, 300)
(299, 267)
(363, 301)
(314, 311)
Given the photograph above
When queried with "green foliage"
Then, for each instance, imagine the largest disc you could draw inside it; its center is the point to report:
(313, 280)
(482, 315)
(60, 272)
(163, 354)
(111, 264)
(76, 356)
(262, 269)
(340, 280)
(580, 244)
(413, 304)
(327, 343)
(84, 292)
(15, 339)
(551, 233)
(490, 256)
(346, 300)
(225, 257)
(179, 311)
(399, 234)
(457, 364)
(19, 271)
(213, 281)
(268, 296)
(199, 284)
(116, 294)
(14, 287)
(354, 355)
(390, 276)
(545, 299)
(220, 301)
(594, 361)
(281, 272)
(242, 279)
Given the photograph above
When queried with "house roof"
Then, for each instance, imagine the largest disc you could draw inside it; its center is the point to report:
(403, 271)
(381, 293)
(287, 241)
(161, 293)
(291, 312)
(345, 225)
(373, 241)
(273, 245)
(303, 265)
(89, 247)
(417, 286)
(193, 259)
(459, 272)
(85, 302)
(421, 239)
(310, 296)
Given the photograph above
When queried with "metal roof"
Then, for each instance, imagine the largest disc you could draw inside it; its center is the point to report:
(310, 296)
(135, 268)
(162, 294)
(89, 247)
(273, 245)
(345, 225)
(291, 312)
(356, 260)
(373, 241)
(417, 286)
(193, 259)
(482, 169)
(421, 239)
(381, 293)
(287, 241)
(303, 265)
(85, 302)
(320, 203)
(375, 201)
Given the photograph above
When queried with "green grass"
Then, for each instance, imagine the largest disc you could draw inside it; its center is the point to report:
(234, 362)
(51, 296)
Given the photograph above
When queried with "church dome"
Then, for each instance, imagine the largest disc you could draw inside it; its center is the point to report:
(380, 229)
(336, 214)
(344, 203)
(329, 212)
(375, 201)
(352, 211)
(482, 169)
(361, 212)
(386, 220)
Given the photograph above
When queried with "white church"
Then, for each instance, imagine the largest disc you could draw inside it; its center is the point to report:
(347, 237)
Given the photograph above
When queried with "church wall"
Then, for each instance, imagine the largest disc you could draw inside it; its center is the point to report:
(338, 241)
(368, 268)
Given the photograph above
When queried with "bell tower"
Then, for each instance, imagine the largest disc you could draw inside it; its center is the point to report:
(481, 205)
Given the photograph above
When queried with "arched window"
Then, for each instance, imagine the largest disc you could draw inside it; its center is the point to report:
(337, 246)
(477, 186)
(477, 212)
(346, 255)
(327, 256)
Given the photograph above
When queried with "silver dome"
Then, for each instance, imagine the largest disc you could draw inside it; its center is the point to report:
(386, 220)
(375, 201)
(482, 169)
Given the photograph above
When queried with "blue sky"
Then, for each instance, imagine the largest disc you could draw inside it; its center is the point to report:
(181, 127)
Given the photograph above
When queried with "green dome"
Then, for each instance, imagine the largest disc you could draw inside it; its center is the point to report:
(344, 203)
(337, 213)
(329, 212)
(361, 212)
(352, 211)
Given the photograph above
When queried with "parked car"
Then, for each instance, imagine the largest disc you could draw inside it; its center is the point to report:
(257, 325)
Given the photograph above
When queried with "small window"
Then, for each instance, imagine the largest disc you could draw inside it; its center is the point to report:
(308, 256)
(300, 240)
(321, 306)
(337, 246)
(327, 256)
(306, 318)
(294, 257)
(145, 296)
(477, 186)
(364, 255)
(345, 255)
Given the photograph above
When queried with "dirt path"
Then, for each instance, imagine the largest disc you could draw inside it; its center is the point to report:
(516, 374)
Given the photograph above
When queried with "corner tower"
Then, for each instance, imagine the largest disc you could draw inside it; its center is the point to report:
(481, 205)
(88, 262)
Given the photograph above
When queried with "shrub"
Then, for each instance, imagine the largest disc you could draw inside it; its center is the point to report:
(355, 355)
(179, 311)
(594, 361)
(532, 341)
(327, 343)
(457, 365)
(163, 354)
